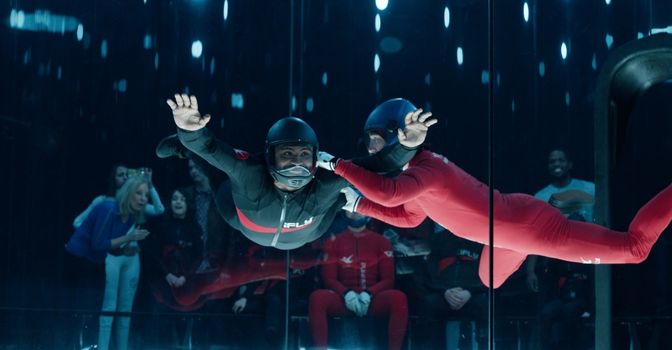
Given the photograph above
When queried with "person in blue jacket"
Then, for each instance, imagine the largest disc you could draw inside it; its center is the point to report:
(109, 234)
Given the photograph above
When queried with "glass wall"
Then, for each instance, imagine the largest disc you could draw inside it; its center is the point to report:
(85, 90)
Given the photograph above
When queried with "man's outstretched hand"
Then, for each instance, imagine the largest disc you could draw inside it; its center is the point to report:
(185, 112)
(415, 130)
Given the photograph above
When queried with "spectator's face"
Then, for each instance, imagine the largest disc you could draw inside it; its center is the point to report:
(195, 172)
(178, 205)
(138, 199)
(120, 176)
(376, 143)
(287, 156)
(558, 164)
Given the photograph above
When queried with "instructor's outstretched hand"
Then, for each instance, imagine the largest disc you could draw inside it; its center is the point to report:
(415, 130)
(185, 112)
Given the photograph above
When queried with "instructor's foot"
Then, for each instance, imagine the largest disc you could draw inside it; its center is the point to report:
(171, 146)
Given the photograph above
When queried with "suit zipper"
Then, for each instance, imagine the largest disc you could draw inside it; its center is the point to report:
(281, 223)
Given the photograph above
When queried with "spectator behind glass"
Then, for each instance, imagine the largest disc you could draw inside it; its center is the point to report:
(359, 277)
(448, 285)
(119, 175)
(175, 251)
(565, 291)
(169, 260)
(110, 233)
(217, 238)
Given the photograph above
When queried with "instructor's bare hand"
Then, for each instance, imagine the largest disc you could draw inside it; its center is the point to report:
(415, 130)
(185, 112)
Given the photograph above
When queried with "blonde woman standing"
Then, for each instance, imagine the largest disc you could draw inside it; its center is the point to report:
(110, 234)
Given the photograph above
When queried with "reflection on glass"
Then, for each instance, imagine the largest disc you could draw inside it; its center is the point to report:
(42, 21)
(147, 41)
(310, 104)
(485, 77)
(103, 49)
(225, 10)
(120, 85)
(237, 100)
(609, 40)
(667, 29)
(80, 32)
(563, 51)
(381, 4)
(196, 49)
(593, 62)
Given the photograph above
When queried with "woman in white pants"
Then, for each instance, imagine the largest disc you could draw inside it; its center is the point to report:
(110, 233)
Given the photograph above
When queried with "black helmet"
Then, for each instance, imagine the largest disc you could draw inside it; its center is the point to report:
(291, 130)
(387, 118)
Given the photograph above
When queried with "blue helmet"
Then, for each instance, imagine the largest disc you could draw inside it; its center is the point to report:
(387, 118)
(291, 130)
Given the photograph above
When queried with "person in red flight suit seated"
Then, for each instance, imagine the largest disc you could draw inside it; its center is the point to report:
(359, 280)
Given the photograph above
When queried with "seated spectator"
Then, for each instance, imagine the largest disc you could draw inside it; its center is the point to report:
(359, 280)
(566, 297)
(449, 285)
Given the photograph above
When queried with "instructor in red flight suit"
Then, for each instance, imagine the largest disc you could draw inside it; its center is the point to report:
(432, 186)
